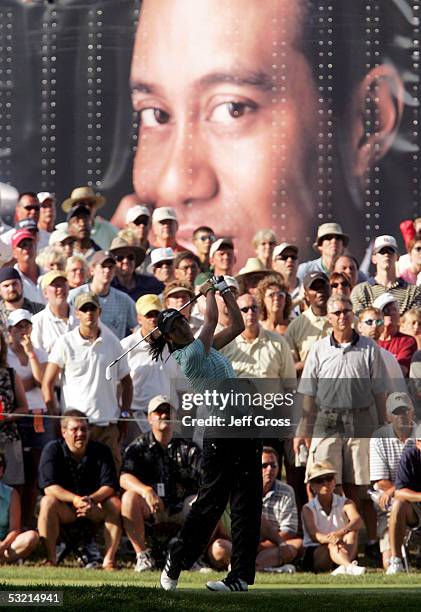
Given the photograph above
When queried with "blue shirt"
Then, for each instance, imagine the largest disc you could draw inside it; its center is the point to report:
(145, 284)
(409, 470)
(5, 498)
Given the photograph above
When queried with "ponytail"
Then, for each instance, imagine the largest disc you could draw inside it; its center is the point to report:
(157, 346)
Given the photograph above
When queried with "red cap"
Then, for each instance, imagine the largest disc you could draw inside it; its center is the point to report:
(21, 235)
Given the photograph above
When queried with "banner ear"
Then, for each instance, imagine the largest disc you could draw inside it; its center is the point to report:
(376, 114)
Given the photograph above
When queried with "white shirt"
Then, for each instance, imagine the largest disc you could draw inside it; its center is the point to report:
(31, 290)
(84, 363)
(150, 378)
(325, 523)
(46, 328)
(34, 396)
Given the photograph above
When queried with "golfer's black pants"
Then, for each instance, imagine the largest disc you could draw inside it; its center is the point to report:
(231, 472)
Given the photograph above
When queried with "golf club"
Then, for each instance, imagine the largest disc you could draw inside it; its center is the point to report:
(108, 374)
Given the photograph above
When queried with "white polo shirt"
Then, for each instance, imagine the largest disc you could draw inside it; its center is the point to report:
(46, 328)
(150, 378)
(32, 291)
(84, 363)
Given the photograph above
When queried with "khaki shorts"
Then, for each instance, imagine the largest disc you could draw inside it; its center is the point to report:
(349, 457)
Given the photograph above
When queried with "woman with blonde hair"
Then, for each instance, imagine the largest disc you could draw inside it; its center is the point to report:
(274, 302)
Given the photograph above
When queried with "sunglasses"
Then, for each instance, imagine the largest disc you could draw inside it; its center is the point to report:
(400, 410)
(376, 322)
(211, 238)
(338, 313)
(322, 479)
(141, 221)
(129, 257)
(341, 284)
(285, 257)
(31, 207)
(253, 308)
(88, 308)
(272, 464)
(387, 251)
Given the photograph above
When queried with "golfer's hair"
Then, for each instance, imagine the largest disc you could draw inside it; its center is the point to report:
(157, 346)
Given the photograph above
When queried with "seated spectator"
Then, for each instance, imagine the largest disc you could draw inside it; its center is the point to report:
(406, 508)
(128, 258)
(340, 284)
(386, 447)
(14, 544)
(51, 258)
(102, 231)
(285, 262)
(330, 243)
(58, 317)
(410, 324)
(400, 345)
(29, 363)
(162, 264)
(77, 271)
(82, 355)
(410, 273)
(118, 310)
(11, 296)
(13, 404)
(331, 524)
(79, 481)
(222, 257)
(203, 238)
(160, 475)
(251, 274)
(264, 242)
(24, 251)
(274, 303)
(385, 255)
(186, 267)
(279, 544)
(371, 325)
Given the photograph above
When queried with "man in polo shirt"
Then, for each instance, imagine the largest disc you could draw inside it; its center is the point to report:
(203, 238)
(160, 474)
(79, 481)
(406, 507)
(162, 264)
(386, 447)
(330, 243)
(186, 267)
(401, 346)
(344, 375)
(24, 251)
(82, 355)
(285, 261)
(118, 310)
(128, 257)
(150, 377)
(11, 296)
(312, 324)
(57, 318)
(385, 255)
(164, 227)
(222, 257)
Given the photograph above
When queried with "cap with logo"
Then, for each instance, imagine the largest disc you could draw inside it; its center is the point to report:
(16, 316)
(159, 255)
(158, 401)
(82, 194)
(398, 400)
(45, 195)
(280, 248)
(385, 241)
(147, 303)
(28, 224)
(137, 211)
(311, 277)
(50, 277)
(101, 256)
(163, 213)
(166, 319)
(218, 244)
(329, 229)
(20, 235)
(87, 297)
(383, 300)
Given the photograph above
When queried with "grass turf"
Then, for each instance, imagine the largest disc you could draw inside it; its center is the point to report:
(103, 591)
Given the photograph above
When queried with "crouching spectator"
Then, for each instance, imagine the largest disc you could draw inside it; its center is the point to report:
(14, 544)
(330, 524)
(160, 475)
(279, 544)
(79, 481)
(406, 507)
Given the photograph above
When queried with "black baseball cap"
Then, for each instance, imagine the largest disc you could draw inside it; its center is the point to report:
(311, 277)
(166, 319)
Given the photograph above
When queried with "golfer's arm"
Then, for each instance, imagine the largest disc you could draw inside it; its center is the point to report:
(235, 328)
(210, 321)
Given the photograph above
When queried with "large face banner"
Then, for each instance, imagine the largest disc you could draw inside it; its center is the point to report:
(249, 114)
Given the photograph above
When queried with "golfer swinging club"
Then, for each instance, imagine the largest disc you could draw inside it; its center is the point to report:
(231, 468)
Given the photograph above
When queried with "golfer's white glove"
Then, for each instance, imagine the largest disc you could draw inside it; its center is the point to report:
(221, 285)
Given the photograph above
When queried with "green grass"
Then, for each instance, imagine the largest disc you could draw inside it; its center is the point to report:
(124, 591)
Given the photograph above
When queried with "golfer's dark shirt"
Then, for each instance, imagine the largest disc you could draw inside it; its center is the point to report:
(409, 470)
(175, 467)
(58, 467)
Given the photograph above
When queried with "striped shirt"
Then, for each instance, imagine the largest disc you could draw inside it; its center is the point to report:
(280, 509)
(385, 453)
(364, 294)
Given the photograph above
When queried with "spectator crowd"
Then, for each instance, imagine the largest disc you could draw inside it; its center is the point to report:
(95, 467)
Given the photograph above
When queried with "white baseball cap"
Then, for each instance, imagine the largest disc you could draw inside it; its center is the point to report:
(137, 211)
(160, 254)
(219, 243)
(280, 248)
(45, 195)
(162, 213)
(16, 316)
(385, 241)
(383, 300)
(398, 400)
